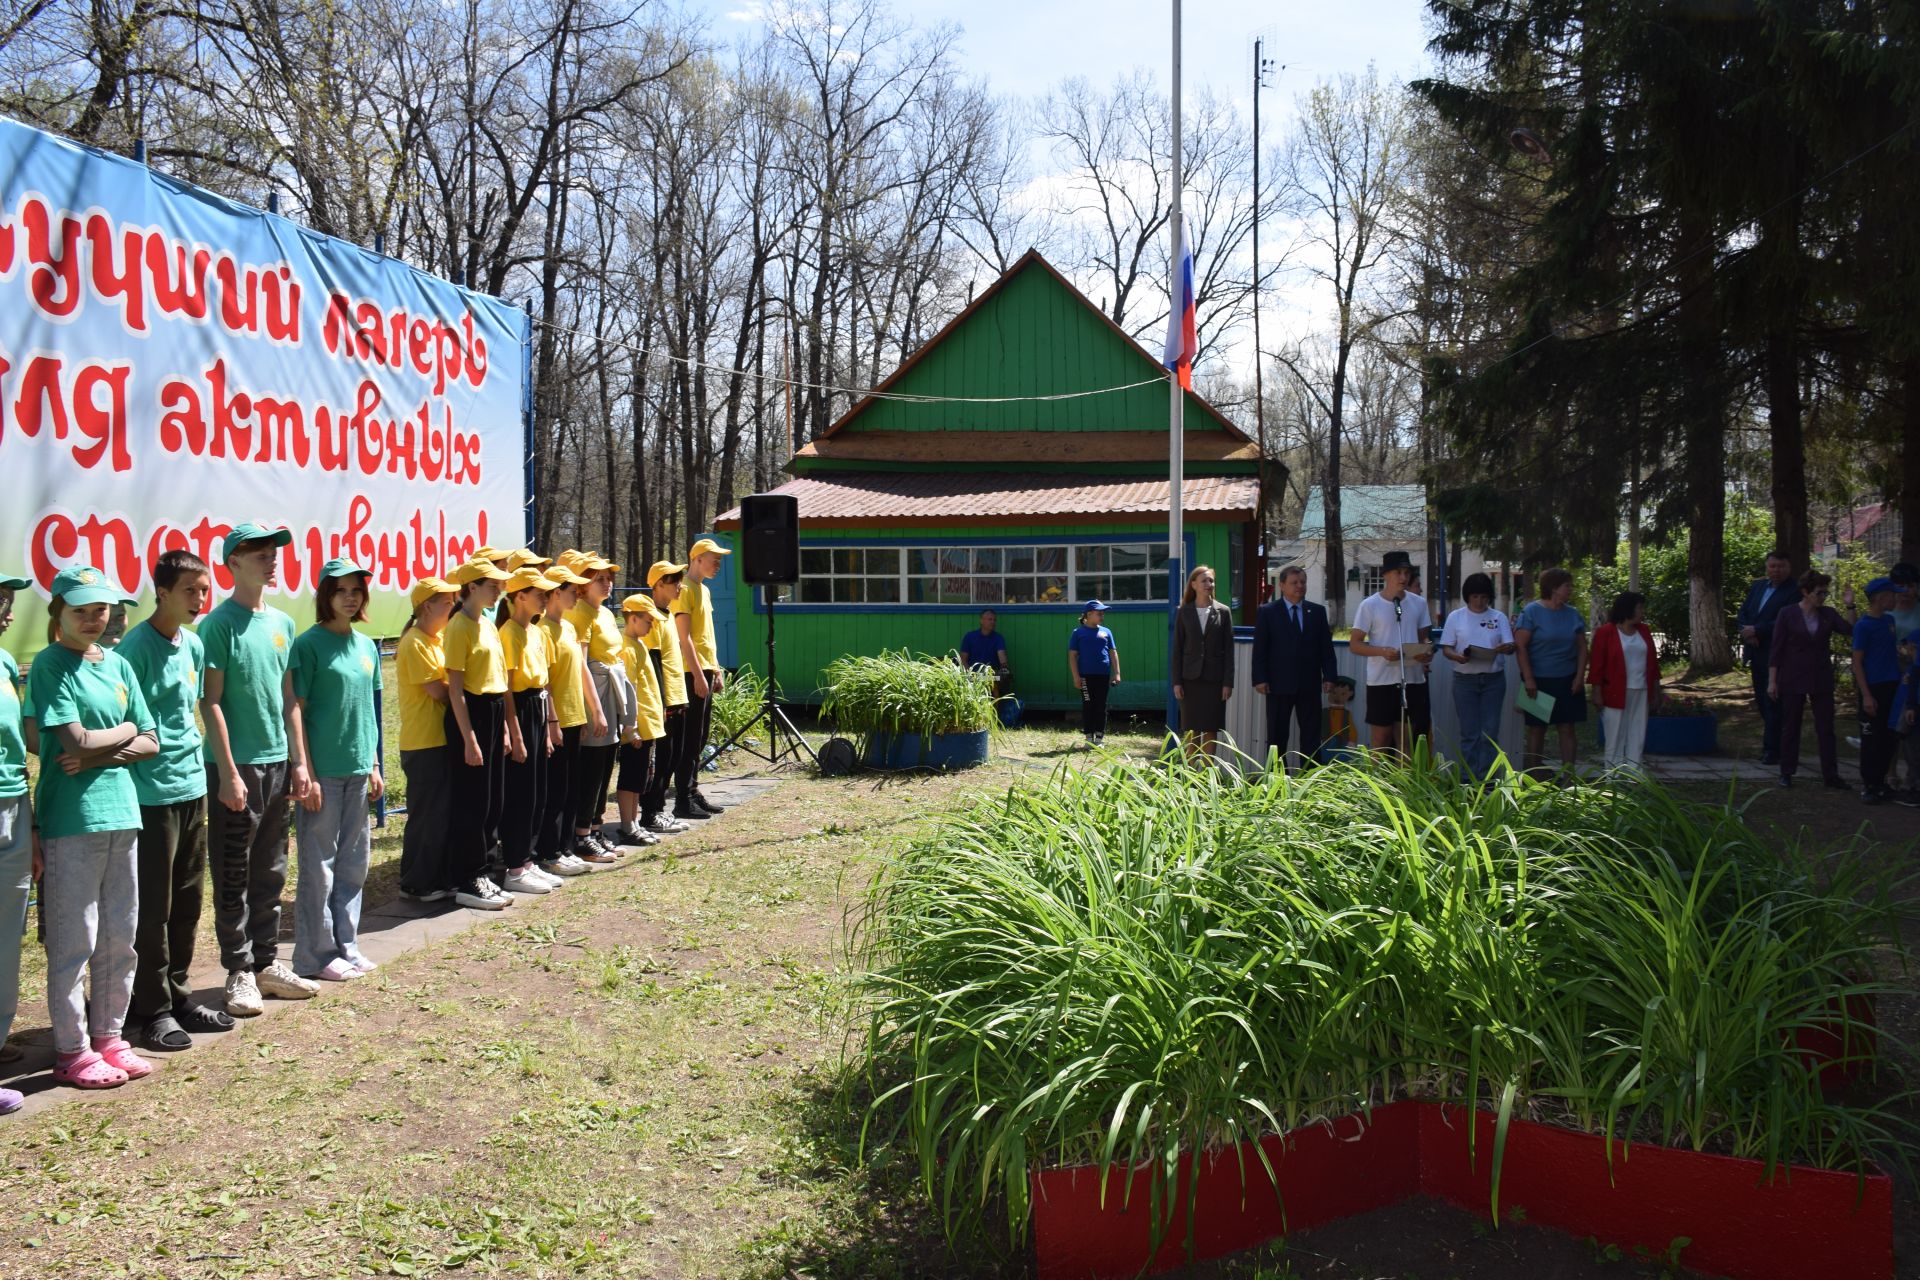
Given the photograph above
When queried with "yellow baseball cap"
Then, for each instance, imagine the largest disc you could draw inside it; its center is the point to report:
(561, 576)
(640, 602)
(594, 562)
(492, 553)
(427, 588)
(524, 578)
(704, 546)
(522, 558)
(474, 570)
(661, 568)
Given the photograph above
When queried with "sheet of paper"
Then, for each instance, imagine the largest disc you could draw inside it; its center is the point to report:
(1416, 649)
(1539, 706)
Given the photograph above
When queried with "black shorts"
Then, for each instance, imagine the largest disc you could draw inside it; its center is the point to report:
(1383, 704)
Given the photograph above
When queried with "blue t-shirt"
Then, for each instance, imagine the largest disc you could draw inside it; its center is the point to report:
(1880, 653)
(1556, 637)
(1096, 649)
(977, 650)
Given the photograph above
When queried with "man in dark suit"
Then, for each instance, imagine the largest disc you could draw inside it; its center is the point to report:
(1765, 599)
(1293, 663)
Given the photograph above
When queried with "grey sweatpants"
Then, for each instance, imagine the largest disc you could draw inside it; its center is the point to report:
(16, 878)
(90, 904)
(247, 853)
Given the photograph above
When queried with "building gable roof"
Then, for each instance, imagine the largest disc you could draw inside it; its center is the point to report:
(1028, 334)
(1369, 512)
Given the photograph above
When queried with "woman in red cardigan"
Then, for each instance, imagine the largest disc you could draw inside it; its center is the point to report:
(1626, 675)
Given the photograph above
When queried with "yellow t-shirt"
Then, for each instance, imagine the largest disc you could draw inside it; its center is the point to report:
(569, 697)
(694, 601)
(595, 625)
(473, 648)
(419, 660)
(527, 655)
(664, 639)
(646, 690)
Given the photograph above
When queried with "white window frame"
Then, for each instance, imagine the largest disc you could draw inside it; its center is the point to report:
(1081, 584)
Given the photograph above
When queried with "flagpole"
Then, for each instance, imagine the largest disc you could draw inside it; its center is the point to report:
(1176, 438)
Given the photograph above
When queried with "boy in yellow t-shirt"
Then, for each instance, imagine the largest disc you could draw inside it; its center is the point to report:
(420, 663)
(476, 734)
(636, 753)
(566, 685)
(532, 727)
(693, 621)
(670, 675)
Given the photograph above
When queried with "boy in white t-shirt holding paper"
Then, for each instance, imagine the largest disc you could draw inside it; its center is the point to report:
(1383, 625)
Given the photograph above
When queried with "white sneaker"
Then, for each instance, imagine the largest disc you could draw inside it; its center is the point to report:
(528, 881)
(664, 823)
(282, 983)
(553, 881)
(243, 995)
(482, 895)
(565, 865)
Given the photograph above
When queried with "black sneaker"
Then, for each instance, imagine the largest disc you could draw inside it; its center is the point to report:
(1785, 781)
(1872, 795)
(688, 811)
(1910, 798)
(701, 802)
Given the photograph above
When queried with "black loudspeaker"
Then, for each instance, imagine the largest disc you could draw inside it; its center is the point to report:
(770, 539)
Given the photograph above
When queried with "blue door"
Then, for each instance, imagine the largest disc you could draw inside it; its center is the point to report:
(726, 623)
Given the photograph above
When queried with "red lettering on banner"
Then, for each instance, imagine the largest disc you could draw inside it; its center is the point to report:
(48, 397)
(283, 305)
(118, 275)
(182, 291)
(53, 280)
(448, 354)
(108, 544)
(239, 296)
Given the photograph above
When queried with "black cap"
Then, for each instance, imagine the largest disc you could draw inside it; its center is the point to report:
(1396, 560)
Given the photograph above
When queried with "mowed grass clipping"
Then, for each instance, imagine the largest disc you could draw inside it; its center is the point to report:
(1153, 959)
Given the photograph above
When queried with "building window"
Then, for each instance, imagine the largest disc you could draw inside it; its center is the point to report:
(1372, 580)
(981, 576)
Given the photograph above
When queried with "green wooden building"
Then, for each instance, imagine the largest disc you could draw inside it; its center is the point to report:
(917, 514)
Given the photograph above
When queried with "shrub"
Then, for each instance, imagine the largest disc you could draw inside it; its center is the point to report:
(897, 693)
(1129, 965)
(738, 702)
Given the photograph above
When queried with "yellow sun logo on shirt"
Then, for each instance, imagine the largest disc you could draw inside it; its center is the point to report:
(279, 641)
(366, 665)
(188, 677)
(121, 689)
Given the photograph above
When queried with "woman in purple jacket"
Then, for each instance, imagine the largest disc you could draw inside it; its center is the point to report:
(1801, 671)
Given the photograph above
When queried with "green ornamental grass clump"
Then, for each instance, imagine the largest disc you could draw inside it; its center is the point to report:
(1130, 964)
(740, 699)
(896, 692)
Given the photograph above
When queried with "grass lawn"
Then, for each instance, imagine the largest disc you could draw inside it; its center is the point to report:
(631, 1077)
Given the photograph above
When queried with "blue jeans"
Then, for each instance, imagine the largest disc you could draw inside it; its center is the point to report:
(1479, 701)
(16, 874)
(333, 870)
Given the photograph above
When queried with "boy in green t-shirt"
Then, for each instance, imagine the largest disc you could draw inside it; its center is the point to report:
(256, 771)
(171, 663)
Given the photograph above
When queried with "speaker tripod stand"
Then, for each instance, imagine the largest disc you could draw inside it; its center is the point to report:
(772, 715)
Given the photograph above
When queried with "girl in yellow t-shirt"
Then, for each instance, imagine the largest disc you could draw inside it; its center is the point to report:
(636, 753)
(420, 666)
(476, 725)
(608, 695)
(532, 727)
(566, 685)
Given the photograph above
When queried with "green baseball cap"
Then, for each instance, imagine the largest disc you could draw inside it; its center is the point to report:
(83, 585)
(339, 567)
(14, 584)
(248, 531)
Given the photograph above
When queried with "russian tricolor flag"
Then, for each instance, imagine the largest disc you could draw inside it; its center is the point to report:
(1181, 344)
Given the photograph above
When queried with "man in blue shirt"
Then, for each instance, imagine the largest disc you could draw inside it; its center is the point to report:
(986, 647)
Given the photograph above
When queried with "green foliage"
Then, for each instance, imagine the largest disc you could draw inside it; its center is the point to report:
(1663, 577)
(1127, 965)
(738, 701)
(896, 692)
(1854, 567)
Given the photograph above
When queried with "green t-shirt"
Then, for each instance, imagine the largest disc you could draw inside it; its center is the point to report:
(13, 745)
(170, 673)
(335, 677)
(67, 689)
(250, 650)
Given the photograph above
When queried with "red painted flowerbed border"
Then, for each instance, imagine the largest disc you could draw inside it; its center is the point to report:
(1802, 1223)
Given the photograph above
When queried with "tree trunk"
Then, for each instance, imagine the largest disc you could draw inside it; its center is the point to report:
(1705, 445)
(1791, 531)
(1910, 462)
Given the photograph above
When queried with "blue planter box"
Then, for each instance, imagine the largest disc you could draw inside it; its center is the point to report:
(1676, 735)
(911, 751)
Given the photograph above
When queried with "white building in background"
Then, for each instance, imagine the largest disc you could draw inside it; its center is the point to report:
(1375, 519)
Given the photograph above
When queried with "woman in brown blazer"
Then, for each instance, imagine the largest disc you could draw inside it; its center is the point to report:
(1202, 664)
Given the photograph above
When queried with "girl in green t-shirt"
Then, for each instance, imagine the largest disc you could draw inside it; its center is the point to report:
(336, 675)
(93, 722)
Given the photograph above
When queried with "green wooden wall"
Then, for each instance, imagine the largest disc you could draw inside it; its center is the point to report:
(810, 637)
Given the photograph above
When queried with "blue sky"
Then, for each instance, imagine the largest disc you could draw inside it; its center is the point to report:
(1025, 47)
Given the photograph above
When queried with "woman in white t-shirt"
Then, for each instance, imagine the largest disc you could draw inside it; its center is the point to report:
(1476, 640)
